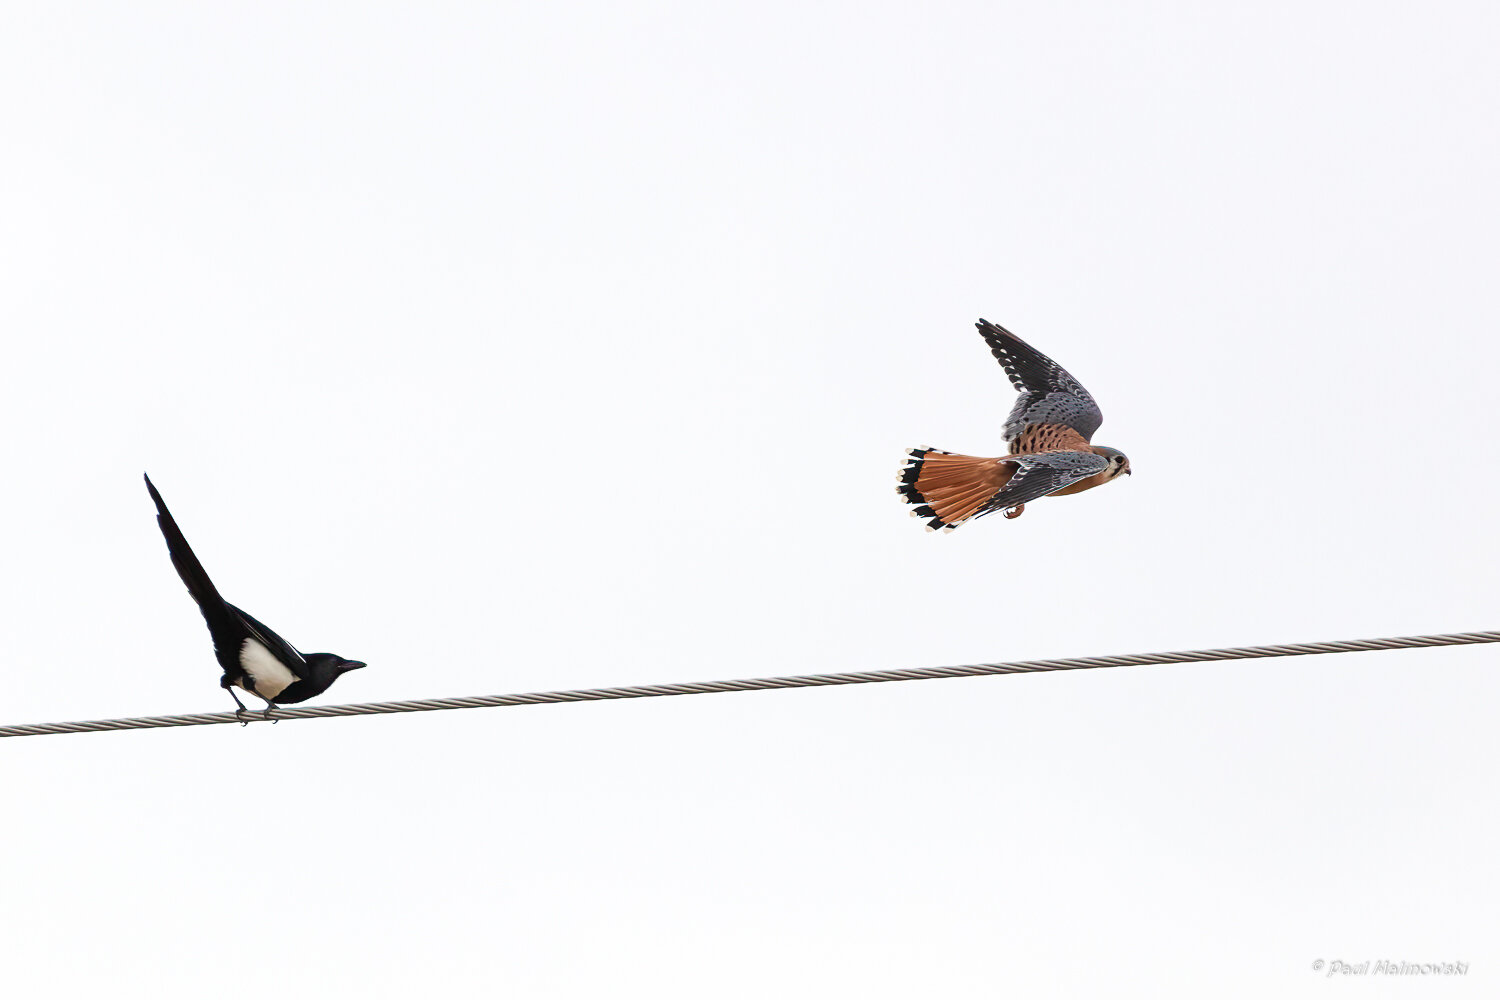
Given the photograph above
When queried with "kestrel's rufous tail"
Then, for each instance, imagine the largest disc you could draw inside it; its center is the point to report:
(951, 488)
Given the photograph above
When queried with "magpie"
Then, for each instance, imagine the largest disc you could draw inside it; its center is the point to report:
(253, 657)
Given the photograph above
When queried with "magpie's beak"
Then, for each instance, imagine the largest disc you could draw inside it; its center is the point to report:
(349, 665)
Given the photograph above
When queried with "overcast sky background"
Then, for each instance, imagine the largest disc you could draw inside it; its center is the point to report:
(525, 347)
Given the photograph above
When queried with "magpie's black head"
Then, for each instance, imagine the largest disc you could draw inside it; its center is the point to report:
(328, 666)
(318, 671)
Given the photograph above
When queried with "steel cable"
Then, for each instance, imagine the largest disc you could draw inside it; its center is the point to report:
(760, 684)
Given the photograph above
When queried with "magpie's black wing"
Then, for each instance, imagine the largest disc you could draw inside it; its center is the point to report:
(224, 624)
(279, 647)
(1049, 395)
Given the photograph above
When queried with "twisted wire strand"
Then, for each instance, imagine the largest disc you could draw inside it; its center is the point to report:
(761, 683)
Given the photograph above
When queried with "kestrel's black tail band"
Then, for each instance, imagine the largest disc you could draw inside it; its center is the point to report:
(908, 488)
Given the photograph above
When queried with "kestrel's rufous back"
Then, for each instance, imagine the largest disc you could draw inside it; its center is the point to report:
(1048, 431)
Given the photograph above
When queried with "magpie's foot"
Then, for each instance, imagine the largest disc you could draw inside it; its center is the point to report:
(269, 715)
(242, 715)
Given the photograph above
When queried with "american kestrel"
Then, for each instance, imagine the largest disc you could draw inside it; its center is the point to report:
(1048, 431)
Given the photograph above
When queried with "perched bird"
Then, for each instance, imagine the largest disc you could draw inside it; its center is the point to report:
(253, 657)
(1048, 431)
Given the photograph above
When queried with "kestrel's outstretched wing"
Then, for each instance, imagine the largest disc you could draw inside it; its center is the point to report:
(1049, 395)
(1038, 475)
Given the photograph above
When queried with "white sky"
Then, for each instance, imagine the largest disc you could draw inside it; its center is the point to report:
(519, 348)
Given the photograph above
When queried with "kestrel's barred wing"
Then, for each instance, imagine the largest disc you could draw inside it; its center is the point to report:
(949, 489)
(1049, 395)
(1041, 474)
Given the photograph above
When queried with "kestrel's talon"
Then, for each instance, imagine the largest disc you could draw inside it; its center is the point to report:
(1015, 512)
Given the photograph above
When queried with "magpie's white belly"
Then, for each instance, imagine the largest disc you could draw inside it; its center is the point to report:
(269, 675)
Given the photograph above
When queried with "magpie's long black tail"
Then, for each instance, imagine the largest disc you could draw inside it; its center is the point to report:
(188, 566)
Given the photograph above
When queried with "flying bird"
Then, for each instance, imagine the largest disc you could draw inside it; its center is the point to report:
(1048, 431)
(253, 657)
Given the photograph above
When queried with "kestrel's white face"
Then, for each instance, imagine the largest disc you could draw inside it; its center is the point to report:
(1119, 465)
